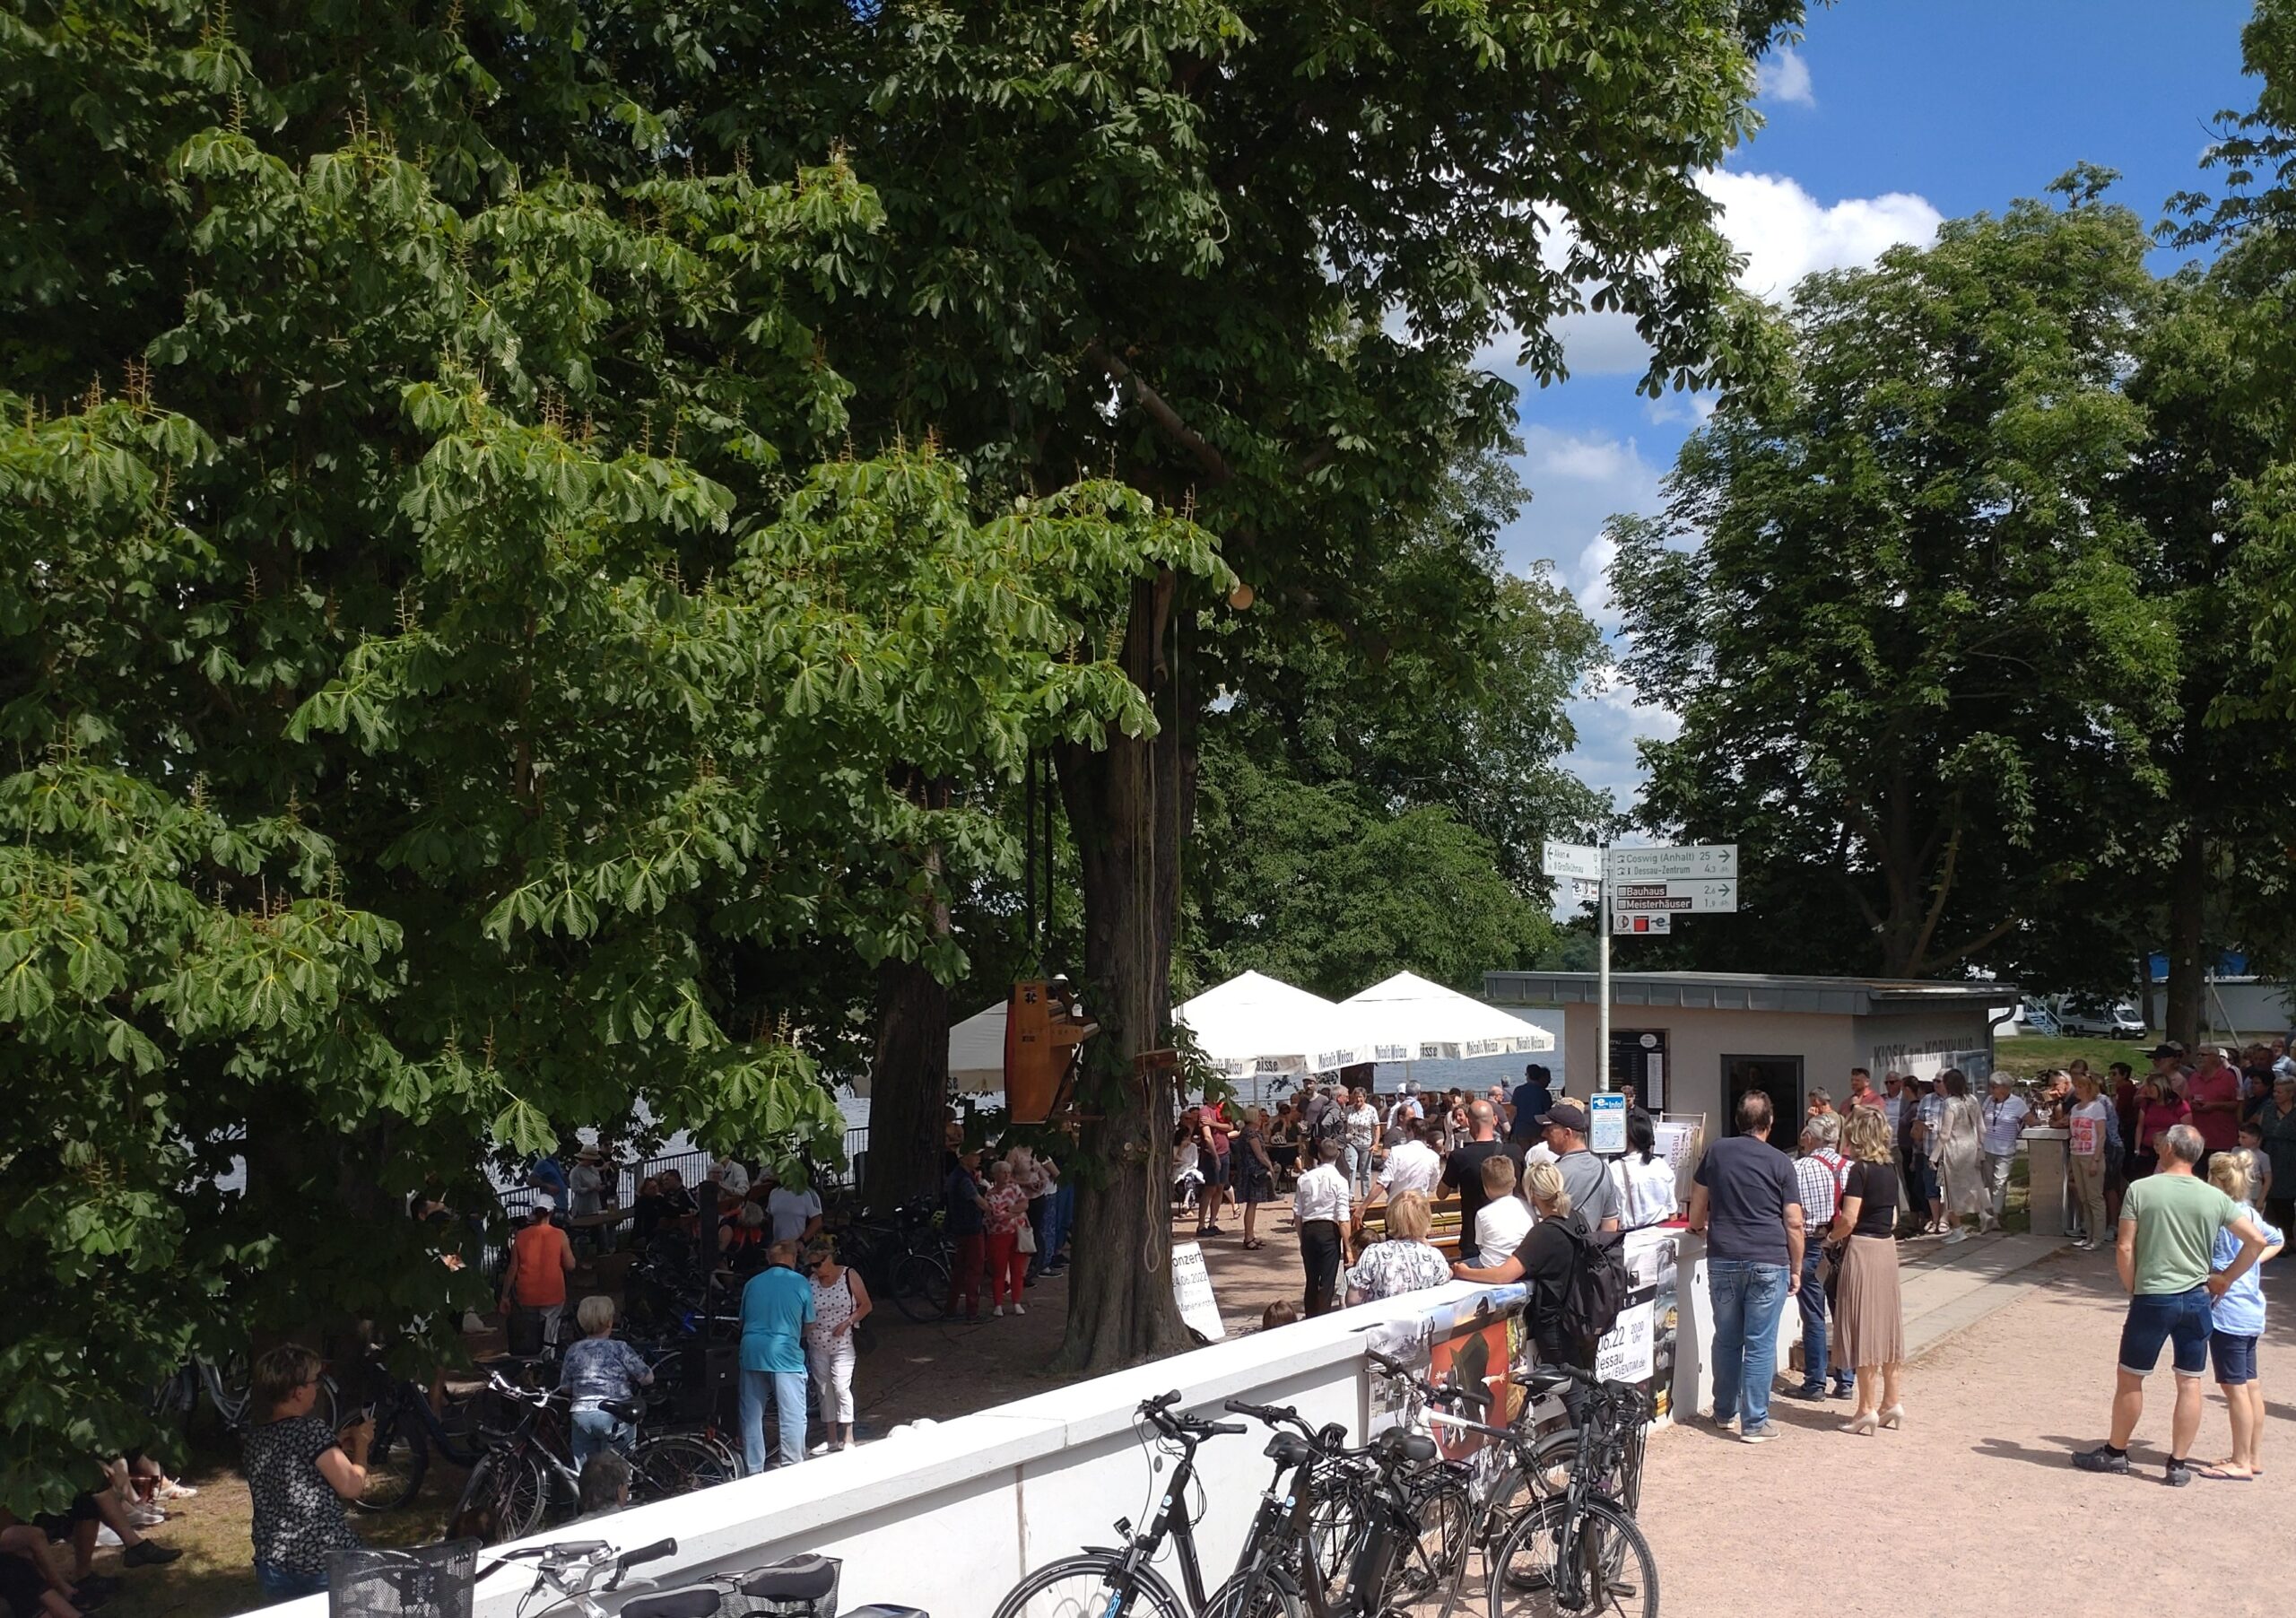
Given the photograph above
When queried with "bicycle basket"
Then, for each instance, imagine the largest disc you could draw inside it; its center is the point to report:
(432, 1581)
(798, 1586)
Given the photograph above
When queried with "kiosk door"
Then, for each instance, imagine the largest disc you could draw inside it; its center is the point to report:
(1777, 1077)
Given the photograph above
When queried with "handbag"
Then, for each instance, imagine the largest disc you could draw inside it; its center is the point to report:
(1026, 1241)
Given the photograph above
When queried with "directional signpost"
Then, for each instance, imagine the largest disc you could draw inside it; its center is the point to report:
(1699, 898)
(1644, 890)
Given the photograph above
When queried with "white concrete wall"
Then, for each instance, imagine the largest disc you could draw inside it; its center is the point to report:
(949, 1518)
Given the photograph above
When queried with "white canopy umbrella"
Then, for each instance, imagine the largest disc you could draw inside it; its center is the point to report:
(1255, 1026)
(977, 1052)
(1411, 1020)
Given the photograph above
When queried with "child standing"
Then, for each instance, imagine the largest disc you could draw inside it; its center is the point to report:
(2237, 1323)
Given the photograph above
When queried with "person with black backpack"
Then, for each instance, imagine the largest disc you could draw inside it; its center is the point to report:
(1574, 1278)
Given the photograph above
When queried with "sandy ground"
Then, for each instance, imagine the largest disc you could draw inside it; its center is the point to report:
(1975, 1505)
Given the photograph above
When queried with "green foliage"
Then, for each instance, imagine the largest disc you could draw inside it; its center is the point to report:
(458, 654)
(1321, 886)
(1917, 671)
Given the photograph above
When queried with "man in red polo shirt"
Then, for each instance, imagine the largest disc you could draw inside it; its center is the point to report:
(2213, 1094)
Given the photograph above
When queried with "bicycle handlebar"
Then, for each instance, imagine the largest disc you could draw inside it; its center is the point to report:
(630, 1559)
(1274, 1416)
(1159, 1411)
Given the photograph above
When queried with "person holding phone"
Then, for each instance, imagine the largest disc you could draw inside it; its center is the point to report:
(299, 1473)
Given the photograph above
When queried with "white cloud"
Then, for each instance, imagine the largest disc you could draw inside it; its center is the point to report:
(1609, 723)
(1785, 233)
(1784, 76)
(1577, 483)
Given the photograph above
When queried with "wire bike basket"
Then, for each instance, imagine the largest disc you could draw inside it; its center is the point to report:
(431, 1581)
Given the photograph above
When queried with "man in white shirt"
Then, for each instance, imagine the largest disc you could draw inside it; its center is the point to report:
(1414, 1165)
(728, 1175)
(2004, 1120)
(1319, 1206)
(796, 1216)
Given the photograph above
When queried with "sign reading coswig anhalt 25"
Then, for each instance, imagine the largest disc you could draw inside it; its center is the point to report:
(1689, 862)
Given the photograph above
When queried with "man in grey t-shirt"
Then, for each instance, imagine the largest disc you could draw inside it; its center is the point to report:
(1585, 1175)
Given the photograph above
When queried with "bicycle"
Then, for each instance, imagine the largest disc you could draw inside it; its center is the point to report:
(1107, 1581)
(1375, 1481)
(1580, 1551)
(578, 1571)
(906, 1259)
(516, 1482)
(398, 1456)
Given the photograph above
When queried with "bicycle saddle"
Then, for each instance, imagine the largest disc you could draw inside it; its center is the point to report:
(1543, 1381)
(695, 1601)
(1289, 1449)
(1395, 1444)
(888, 1612)
(799, 1579)
(623, 1410)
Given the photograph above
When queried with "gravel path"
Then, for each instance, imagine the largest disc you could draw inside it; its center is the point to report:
(1974, 1506)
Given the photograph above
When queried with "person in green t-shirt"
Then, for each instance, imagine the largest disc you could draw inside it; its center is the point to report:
(2167, 1236)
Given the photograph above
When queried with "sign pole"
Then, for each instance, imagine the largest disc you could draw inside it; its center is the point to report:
(1602, 977)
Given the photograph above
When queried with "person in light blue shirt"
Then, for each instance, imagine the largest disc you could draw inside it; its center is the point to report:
(2236, 1322)
(776, 1306)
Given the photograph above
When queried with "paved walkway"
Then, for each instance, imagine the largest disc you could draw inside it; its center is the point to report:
(1974, 1505)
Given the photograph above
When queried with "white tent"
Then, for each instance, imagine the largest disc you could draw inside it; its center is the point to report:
(977, 1052)
(1256, 1026)
(1411, 1020)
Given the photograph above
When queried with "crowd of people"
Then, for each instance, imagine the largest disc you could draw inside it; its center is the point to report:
(1349, 1157)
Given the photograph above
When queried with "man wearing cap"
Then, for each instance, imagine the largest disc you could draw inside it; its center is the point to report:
(2169, 1066)
(1584, 1175)
(2213, 1094)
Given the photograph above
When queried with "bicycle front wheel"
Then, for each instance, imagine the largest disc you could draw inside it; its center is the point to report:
(1255, 1594)
(1085, 1587)
(920, 1286)
(1446, 1520)
(1553, 1567)
(396, 1459)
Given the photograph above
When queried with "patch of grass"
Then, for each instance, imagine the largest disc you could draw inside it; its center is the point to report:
(2030, 1054)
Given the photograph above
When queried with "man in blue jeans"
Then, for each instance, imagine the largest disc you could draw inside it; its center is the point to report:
(1744, 1202)
(2165, 1254)
(776, 1305)
(1818, 1176)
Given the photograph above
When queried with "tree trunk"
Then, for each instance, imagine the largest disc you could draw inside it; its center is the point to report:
(908, 1085)
(909, 1073)
(2187, 967)
(1126, 804)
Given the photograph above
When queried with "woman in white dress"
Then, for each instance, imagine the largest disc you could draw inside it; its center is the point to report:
(1959, 1156)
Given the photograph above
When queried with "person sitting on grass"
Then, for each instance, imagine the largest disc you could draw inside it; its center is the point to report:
(32, 1586)
(90, 1511)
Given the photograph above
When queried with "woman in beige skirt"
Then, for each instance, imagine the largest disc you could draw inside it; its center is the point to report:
(1869, 1320)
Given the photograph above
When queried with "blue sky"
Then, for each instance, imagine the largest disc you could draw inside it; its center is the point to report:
(1890, 116)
